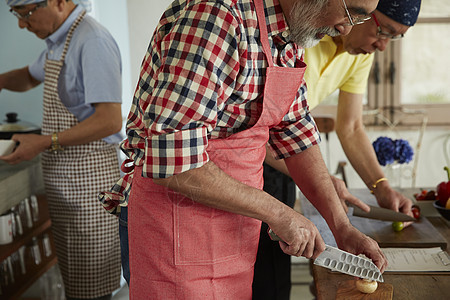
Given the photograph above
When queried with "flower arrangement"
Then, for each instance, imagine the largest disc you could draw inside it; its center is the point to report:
(389, 151)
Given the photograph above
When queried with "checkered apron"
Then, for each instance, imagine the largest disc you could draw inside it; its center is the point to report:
(86, 236)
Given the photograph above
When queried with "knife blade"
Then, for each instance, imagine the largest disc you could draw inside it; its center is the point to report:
(344, 262)
(379, 213)
(341, 261)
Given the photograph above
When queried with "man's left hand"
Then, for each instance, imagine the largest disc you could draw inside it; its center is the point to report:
(350, 239)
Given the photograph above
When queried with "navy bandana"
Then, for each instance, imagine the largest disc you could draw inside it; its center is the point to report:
(402, 11)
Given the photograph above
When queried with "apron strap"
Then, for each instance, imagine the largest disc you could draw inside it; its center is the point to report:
(263, 34)
(70, 33)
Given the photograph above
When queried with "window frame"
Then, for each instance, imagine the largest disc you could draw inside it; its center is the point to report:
(386, 94)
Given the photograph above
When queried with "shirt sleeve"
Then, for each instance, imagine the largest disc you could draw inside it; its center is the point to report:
(101, 70)
(297, 131)
(36, 69)
(357, 82)
(197, 64)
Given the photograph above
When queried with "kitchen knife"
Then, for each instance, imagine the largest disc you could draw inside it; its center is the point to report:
(379, 213)
(341, 261)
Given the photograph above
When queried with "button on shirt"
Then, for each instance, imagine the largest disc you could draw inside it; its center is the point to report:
(203, 78)
(92, 68)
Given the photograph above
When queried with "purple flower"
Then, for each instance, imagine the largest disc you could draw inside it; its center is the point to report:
(388, 151)
(403, 151)
(384, 148)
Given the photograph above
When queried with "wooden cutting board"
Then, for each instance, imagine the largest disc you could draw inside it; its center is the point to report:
(420, 234)
(348, 291)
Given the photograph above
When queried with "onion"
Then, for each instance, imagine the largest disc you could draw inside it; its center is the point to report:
(366, 286)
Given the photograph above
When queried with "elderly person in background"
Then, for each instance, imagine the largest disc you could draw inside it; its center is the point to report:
(221, 79)
(390, 22)
(341, 62)
(81, 71)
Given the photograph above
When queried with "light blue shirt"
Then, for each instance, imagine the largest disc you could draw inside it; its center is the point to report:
(92, 70)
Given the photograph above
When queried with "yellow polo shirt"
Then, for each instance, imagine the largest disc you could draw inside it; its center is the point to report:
(330, 68)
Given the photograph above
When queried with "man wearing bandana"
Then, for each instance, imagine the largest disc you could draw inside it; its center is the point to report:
(344, 63)
(349, 62)
(81, 71)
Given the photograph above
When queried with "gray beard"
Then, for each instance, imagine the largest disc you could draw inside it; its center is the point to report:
(308, 42)
(303, 15)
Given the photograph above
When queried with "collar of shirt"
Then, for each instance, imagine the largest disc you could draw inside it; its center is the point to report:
(278, 31)
(59, 36)
(276, 21)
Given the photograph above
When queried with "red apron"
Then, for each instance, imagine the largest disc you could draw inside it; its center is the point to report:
(180, 249)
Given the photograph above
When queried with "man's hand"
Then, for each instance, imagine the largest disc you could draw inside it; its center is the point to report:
(299, 235)
(29, 146)
(389, 198)
(345, 196)
(350, 239)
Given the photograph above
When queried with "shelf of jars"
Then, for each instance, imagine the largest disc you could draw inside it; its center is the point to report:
(28, 252)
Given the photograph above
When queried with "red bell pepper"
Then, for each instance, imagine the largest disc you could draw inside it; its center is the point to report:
(443, 189)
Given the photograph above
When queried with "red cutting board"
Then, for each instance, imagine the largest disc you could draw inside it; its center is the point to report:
(420, 234)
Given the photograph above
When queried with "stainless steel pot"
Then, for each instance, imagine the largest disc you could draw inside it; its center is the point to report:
(13, 125)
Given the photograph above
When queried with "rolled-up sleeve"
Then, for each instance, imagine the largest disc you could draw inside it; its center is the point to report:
(176, 152)
(297, 131)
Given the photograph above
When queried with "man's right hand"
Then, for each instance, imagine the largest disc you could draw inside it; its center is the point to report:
(18, 80)
(299, 236)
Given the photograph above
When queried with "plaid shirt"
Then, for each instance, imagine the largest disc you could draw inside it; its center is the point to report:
(203, 78)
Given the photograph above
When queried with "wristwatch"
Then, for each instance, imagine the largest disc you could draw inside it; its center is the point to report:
(55, 147)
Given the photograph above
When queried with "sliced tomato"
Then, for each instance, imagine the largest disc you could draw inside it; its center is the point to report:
(416, 211)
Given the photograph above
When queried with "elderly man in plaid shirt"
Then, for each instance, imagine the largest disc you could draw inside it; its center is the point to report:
(220, 80)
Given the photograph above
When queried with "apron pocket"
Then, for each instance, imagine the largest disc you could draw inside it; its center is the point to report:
(204, 235)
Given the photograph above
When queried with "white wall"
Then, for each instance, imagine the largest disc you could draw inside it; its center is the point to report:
(132, 23)
(143, 16)
(113, 15)
(18, 49)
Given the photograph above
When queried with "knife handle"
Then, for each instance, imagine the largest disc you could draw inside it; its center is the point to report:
(273, 235)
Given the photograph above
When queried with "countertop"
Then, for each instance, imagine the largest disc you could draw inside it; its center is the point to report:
(18, 182)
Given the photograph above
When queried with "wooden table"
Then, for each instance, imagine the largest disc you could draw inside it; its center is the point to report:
(406, 286)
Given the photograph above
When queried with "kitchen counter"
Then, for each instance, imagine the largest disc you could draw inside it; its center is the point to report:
(18, 182)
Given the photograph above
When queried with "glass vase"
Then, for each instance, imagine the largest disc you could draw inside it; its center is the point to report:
(393, 173)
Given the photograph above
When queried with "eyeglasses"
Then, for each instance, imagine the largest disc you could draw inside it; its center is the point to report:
(355, 20)
(26, 16)
(383, 34)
